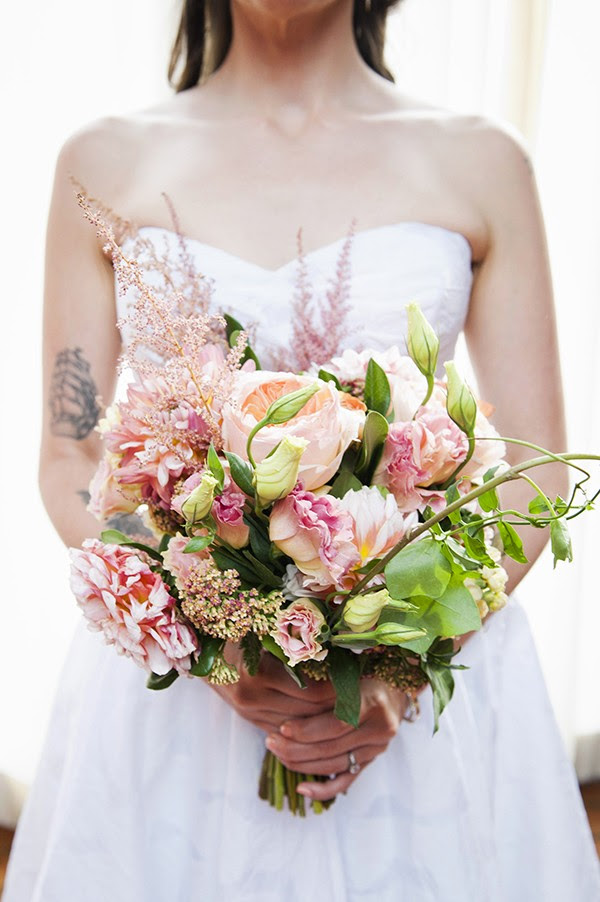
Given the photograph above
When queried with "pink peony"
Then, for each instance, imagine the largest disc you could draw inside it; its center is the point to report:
(122, 598)
(156, 439)
(420, 453)
(317, 533)
(228, 511)
(107, 496)
(297, 630)
(377, 526)
(329, 422)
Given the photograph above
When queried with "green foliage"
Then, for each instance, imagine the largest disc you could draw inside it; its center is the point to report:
(116, 537)
(344, 671)
(375, 433)
(232, 329)
(421, 568)
(511, 541)
(198, 543)
(251, 651)
(377, 389)
(161, 680)
(215, 466)
(324, 376)
(560, 541)
(241, 473)
(211, 647)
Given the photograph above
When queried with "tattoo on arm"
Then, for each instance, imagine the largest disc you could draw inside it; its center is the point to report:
(130, 524)
(73, 403)
(84, 495)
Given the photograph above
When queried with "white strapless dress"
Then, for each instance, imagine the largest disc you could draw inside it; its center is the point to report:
(152, 797)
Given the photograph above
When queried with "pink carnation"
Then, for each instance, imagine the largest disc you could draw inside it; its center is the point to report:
(316, 533)
(228, 511)
(122, 598)
(420, 453)
(297, 630)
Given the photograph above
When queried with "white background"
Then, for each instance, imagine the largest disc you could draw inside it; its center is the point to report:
(66, 63)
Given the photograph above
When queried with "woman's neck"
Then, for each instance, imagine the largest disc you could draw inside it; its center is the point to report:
(307, 62)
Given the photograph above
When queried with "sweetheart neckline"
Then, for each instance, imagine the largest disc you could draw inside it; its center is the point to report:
(407, 223)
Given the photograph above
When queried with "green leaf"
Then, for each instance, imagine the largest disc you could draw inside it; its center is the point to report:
(161, 680)
(241, 473)
(226, 559)
(475, 548)
(452, 614)
(115, 537)
(197, 543)
(452, 494)
(251, 651)
(538, 505)
(248, 352)
(441, 680)
(560, 541)
(269, 644)
(377, 389)
(231, 325)
(324, 376)
(343, 483)
(215, 466)
(421, 568)
(375, 433)
(264, 573)
(489, 501)
(344, 671)
(164, 543)
(259, 541)
(204, 664)
(513, 546)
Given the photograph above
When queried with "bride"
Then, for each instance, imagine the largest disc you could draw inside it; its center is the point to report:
(285, 116)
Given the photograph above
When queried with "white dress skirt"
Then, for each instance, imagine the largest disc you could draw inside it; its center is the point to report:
(152, 796)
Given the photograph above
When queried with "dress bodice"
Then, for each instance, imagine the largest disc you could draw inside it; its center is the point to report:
(391, 265)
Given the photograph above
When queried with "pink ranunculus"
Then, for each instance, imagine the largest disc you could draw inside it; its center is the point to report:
(377, 526)
(177, 562)
(419, 453)
(121, 597)
(107, 496)
(408, 386)
(317, 533)
(297, 630)
(329, 422)
(228, 511)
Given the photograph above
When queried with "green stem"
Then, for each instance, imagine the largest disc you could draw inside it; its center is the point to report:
(507, 476)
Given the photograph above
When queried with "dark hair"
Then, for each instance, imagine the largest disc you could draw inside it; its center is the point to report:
(205, 30)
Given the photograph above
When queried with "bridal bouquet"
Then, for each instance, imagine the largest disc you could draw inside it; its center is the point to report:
(345, 519)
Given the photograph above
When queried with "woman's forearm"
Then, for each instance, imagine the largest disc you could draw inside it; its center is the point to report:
(64, 485)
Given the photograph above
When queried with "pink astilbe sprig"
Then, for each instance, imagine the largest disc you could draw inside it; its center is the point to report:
(319, 325)
(165, 341)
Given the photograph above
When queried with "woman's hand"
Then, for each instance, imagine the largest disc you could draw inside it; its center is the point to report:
(271, 697)
(321, 744)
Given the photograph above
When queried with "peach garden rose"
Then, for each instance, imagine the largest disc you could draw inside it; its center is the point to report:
(329, 422)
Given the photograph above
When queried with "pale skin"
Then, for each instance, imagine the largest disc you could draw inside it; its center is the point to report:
(295, 129)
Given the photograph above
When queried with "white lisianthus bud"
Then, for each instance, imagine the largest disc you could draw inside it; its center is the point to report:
(286, 407)
(497, 600)
(277, 474)
(198, 504)
(396, 633)
(361, 612)
(460, 403)
(422, 343)
(477, 594)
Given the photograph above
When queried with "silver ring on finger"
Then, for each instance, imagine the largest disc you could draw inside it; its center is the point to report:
(353, 765)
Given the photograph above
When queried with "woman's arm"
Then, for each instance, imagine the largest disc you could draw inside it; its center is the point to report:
(511, 328)
(80, 342)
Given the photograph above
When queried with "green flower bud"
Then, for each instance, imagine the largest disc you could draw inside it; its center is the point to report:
(277, 474)
(396, 633)
(198, 504)
(286, 407)
(422, 343)
(361, 612)
(460, 403)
